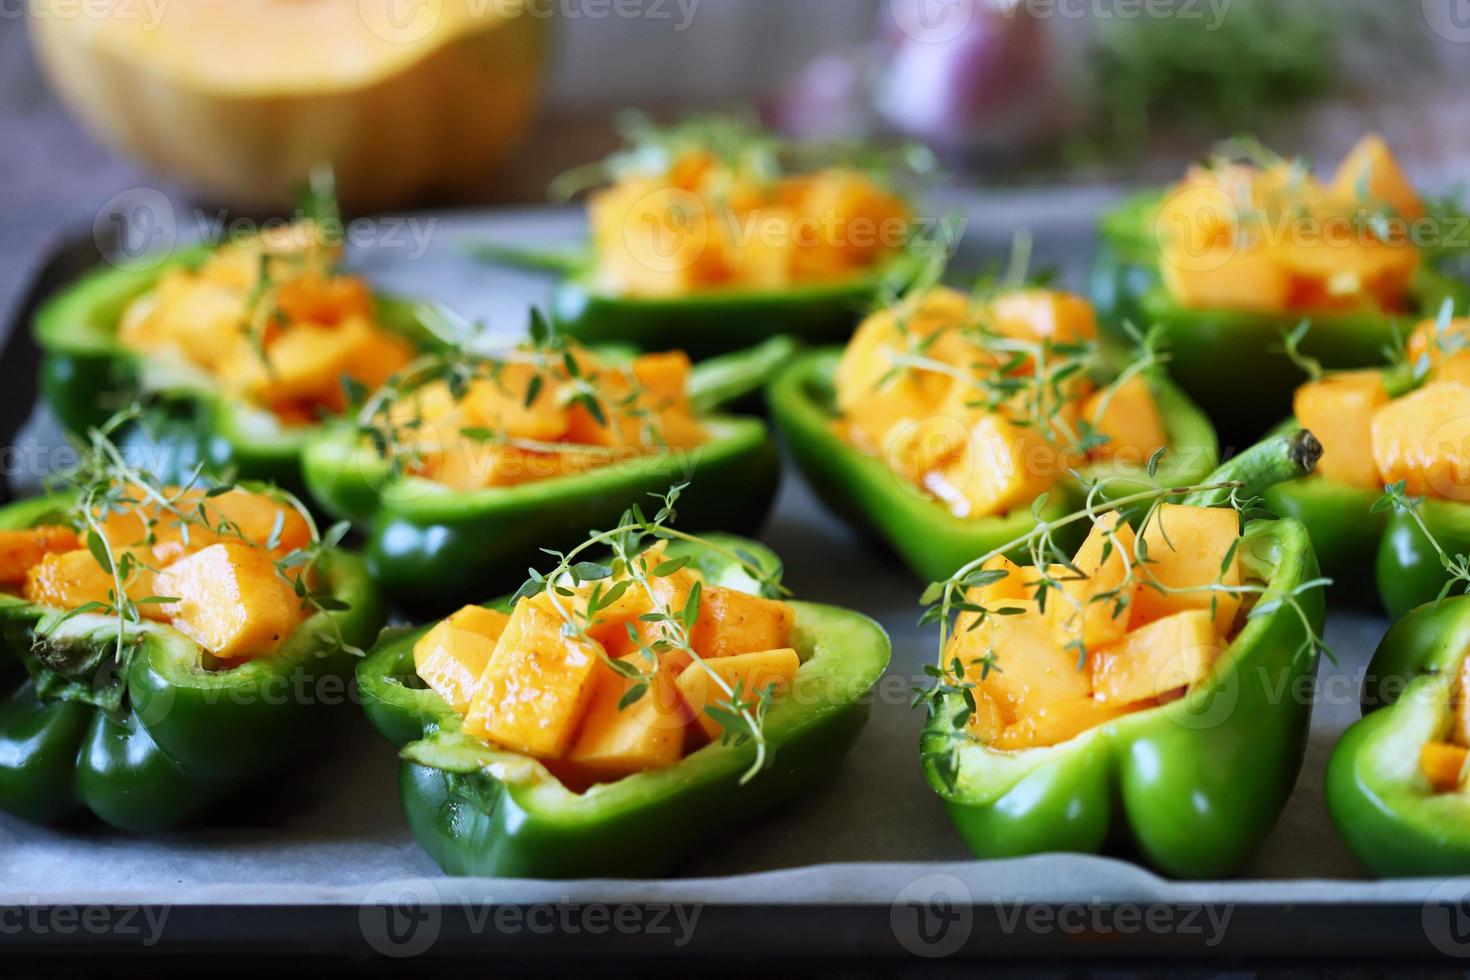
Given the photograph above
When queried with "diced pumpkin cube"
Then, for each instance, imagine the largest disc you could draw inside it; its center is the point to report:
(69, 579)
(651, 420)
(747, 674)
(534, 691)
(314, 298)
(1423, 439)
(471, 464)
(21, 550)
(1226, 277)
(651, 240)
(1052, 724)
(1344, 271)
(1442, 764)
(1128, 415)
(1094, 609)
(1000, 467)
(1017, 585)
(617, 741)
(1182, 565)
(733, 622)
(850, 221)
(1339, 411)
(450, 659)
(307, 362)
(488, 623)
(231, 516)
(201, 319)
(766, 257)
(232, 601)
(1163, 656)
(499, 404)
(1445, 350)
(1370, 175)
(1041, 314)
(1029, 668)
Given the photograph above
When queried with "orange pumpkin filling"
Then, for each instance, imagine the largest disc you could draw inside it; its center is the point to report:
(1138, 620)
(216, 559)
(272, 322)
(528, 682)
(1271, 237)
(986, 403)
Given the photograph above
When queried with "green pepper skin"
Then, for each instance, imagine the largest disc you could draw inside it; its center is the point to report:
(1192, 786)
(720, 322)
(475, 823)
(86, 376)
(1231, 362)
(433, 547)
(1380, 801)
(187, 735)
(925, 534)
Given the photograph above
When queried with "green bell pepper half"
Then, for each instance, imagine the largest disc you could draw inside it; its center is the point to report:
(1380, 801)
(1232, 362)
(175, 733)
(931, 540)
(479, 810)
(432, 546)
(86, 376)
(708, 323)
(1191, 786)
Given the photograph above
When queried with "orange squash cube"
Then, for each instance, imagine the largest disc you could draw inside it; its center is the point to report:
(21, 550)
(450, 659)
(68, 579)
(1041, 314)
(1423, 439)
(1185, 548)
(499, 405)
(489, 623)
(1446, 352)
(1226, 277)
(1055, 723)
(733, 622)
(231, 516)
(1000, 467)
(534, 691)
(1163, 656)
(1130, 418)
(328, 300)
(1442, 763)
(1030, 668)
(1094, 610)
(1339, 410)
(617, 741)
(231, 601)
(746, 673)
(1371, 176)
(1017, 584)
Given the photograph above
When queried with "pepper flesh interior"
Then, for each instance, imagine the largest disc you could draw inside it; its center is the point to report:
(987, 402)
(522, 682)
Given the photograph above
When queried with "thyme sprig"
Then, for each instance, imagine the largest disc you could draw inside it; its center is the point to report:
(582, 590)
(949, 604)
(1396, 498)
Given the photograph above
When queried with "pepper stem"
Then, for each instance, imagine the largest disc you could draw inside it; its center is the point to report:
(1267, 463)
